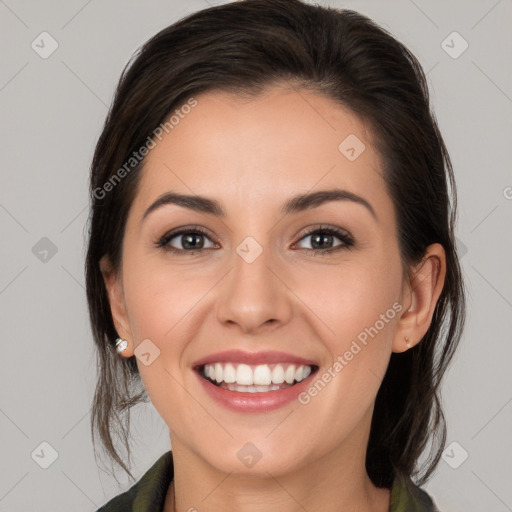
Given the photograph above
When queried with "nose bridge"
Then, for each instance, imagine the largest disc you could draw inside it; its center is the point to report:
(252, 295)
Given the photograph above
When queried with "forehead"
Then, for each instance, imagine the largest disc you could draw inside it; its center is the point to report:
(245, 150)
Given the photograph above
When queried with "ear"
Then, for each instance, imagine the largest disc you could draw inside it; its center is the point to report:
(421, 293)
(115, 295)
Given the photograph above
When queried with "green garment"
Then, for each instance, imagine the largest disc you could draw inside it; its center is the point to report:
(148, 494)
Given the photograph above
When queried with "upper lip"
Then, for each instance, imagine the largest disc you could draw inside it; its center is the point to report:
(252, 358)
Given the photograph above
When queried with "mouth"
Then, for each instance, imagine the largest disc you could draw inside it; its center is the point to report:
(252, 378)
(254, 382)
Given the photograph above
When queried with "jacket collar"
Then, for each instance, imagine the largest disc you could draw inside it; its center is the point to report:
(149, 493)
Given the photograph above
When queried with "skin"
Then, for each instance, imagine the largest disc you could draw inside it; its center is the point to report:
(251, 156)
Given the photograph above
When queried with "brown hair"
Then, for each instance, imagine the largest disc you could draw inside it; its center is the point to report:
(244, 47)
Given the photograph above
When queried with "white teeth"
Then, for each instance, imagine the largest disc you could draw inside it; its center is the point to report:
(289, 375)
(244, 375)
(262, 375)
(229, 373)
(254, 389)
(278, 374)
(218, 372)
(258, 378)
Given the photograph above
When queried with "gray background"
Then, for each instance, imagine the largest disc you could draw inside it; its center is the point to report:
(52, 111)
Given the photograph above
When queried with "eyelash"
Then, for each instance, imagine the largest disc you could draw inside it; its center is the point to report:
(346, 239)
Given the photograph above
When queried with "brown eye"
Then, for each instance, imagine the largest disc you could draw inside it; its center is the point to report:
(185, 241)
(323, 240)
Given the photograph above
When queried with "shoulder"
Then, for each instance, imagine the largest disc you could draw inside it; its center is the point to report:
(149, 493)
(408, 497)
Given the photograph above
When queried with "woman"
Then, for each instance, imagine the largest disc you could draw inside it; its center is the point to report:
(272, 263)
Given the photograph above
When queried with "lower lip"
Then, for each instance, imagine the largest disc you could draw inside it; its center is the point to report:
(254, 402)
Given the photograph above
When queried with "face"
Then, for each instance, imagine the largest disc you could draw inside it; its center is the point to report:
(299, 306)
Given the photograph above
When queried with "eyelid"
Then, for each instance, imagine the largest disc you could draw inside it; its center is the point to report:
(309, 230)
(163, 241)
(343, 235)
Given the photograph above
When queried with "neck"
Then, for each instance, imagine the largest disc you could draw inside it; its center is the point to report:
(324, 483)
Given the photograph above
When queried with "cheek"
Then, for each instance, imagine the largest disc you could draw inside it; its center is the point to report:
(159, 297)
(357, 304)
(358, 308)
(350, 298)
(160, 302)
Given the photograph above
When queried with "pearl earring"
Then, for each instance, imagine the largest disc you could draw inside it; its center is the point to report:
(121, 345)
(407, 342)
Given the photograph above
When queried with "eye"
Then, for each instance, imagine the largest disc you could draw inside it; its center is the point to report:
(189, 240)
(192, 240)
(323, 239)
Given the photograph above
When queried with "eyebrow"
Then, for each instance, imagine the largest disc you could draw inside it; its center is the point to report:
(296, 204)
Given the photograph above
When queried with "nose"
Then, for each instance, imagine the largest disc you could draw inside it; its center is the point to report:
(254, 295)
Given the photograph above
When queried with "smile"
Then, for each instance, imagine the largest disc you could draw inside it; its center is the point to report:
(261, 378)
(254, 382)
